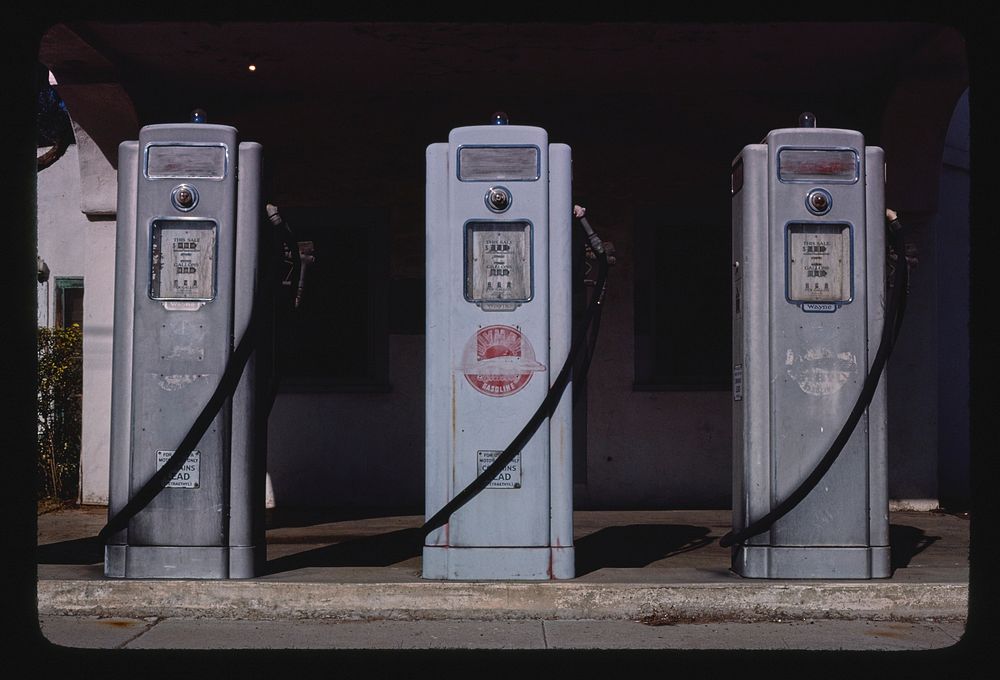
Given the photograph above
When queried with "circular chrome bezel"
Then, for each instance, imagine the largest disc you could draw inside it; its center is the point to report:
(819, 192)
(176, 202)
(494, 191)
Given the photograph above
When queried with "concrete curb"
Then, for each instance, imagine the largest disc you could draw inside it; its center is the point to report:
(653, 603)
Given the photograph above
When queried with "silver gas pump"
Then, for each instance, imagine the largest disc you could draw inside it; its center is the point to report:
(185, 285)
(810, 321)
(499, 328)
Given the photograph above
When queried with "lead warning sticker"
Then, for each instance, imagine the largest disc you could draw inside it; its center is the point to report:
(498, 361)
(188, 476)
(508, 478)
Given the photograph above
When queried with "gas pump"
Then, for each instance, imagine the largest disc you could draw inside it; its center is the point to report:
(812, 331)
(499, 328)
(187, 455)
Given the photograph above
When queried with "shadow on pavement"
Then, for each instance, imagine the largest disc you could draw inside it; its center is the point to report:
(905, 542)
(281, 518)
(381, 550)
(636, 545)
(88, 550)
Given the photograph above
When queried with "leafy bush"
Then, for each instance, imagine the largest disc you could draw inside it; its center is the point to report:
(60, 388)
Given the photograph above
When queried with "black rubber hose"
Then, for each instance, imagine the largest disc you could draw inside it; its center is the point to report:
(224, 390)
(890, 330)
(282, 238)
(595, 329)
(544, 411)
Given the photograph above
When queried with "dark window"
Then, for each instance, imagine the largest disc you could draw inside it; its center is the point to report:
(337, 338)
(69, 301)
(683, 327)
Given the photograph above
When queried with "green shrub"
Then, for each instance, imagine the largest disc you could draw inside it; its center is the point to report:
(60, 388)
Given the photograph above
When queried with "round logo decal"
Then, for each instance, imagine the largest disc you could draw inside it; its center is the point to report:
(819, 371)
(498, 361)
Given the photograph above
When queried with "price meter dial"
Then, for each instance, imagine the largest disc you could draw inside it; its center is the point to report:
(182, 260)
(498, 263)
(819, 263)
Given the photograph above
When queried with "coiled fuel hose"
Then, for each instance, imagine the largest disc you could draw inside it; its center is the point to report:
(890, 331)
(551, 401)
(224, 390)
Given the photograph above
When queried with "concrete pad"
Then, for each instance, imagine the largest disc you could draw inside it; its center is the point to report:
(92, 632)
(186, 633)
(326, 598)
(799, 635)
(229, 634)
(392, 574)
(636, 635)
(871, 635)
(632, 564)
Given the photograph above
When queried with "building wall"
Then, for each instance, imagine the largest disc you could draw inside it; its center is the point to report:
(62, 240)
(659, 449)
(952, 230)
(353, 450)
(76, 238)
(644, 449)
(98, 314)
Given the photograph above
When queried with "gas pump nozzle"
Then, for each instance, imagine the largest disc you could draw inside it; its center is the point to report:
(894, 226)
(297, 253)
(306, 258)
(596, 244)
(597, 247)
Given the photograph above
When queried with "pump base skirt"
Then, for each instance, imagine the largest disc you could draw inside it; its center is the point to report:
(176, 562)
(498, 564)
(811, 562)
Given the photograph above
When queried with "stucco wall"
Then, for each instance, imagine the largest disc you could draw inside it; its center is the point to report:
(76, 238)
(61, 240)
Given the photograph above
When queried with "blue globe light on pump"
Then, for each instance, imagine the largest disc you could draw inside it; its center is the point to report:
(499, 118)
